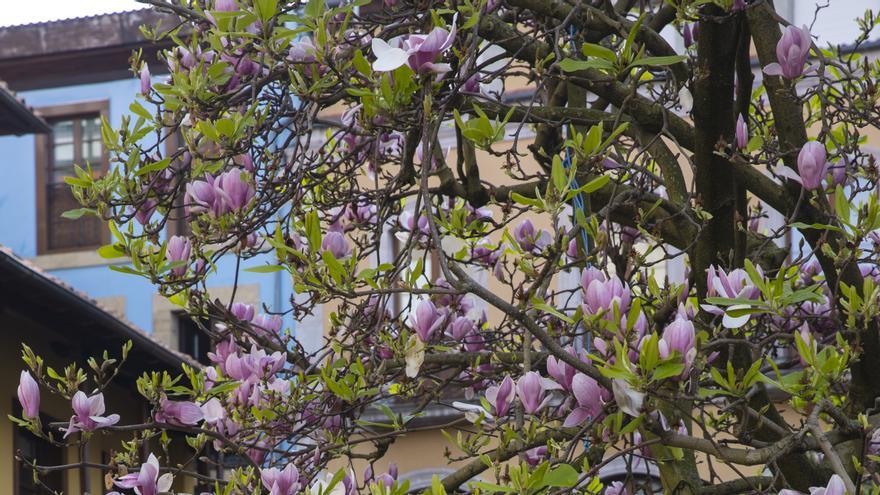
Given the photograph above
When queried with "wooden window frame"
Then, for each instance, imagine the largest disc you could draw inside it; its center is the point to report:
(42, 155)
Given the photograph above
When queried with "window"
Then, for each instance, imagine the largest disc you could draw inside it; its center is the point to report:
(192, 340)
(75, 140)
(32, 447)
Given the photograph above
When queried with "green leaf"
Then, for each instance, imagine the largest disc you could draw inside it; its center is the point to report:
(557, 173)
(667, 370)
(124, 269)
(315, 8)
(594, 50)
(436, 485)
(562, 475)
(490, 487)
(595, 184)
(76, 181)
(154, 167)
(737, 312)
(818, 226)
(659, 61)
(225, 126)
(138, 109)
(208, 130)
(539, 304)
(265, 9)
(110, 251)
(572, 65)
(755, 142)
(75, 214)
(361, 64)
(519, 198)
(841, 205)
(336, 269)
(313, 230)
(265, 269)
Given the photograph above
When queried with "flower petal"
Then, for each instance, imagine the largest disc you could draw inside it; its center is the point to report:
(783, 171)
(628, 400)
(773, 69)
(164, 483)
(576, 417)
(388, 58)
(735, 321)
(415, 356)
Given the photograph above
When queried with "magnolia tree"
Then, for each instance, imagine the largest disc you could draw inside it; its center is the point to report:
(586, 148)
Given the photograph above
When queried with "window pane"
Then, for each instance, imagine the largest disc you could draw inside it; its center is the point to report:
(62, 151)
(62, 132)
(91, 135)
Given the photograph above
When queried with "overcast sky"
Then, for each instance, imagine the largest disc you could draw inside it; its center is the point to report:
(28, 11)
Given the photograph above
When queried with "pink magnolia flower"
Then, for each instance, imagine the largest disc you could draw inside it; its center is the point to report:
(178, 249)
(88, 414)
(201, 197)
(742, 133)
(235, 189)
(222, 351)
(532, 390)
(386, 480)
(501, 396)
(254, 365)
(807, 338)
(281, 481)
(589, 396)
(225, 5)
(687, 34)
(616, 488)
(145, 211)
(242, 311)
(419, 51)
(588, 275)
(812, 165)
(835, 486)
(529, 239)
(415, 224)
(572, 250)
(268, 323)
(426, 320)
(461, 327)
(145, 79)
(536, 455)
(179, 413)
(147, 481)
(561, 371)
(604, 295)
(29, 395)
(733, 285)
(212, 411)
(791, 53)
(678, 336)
(336, 244)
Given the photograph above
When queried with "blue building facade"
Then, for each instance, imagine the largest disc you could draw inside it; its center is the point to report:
(73, 72)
